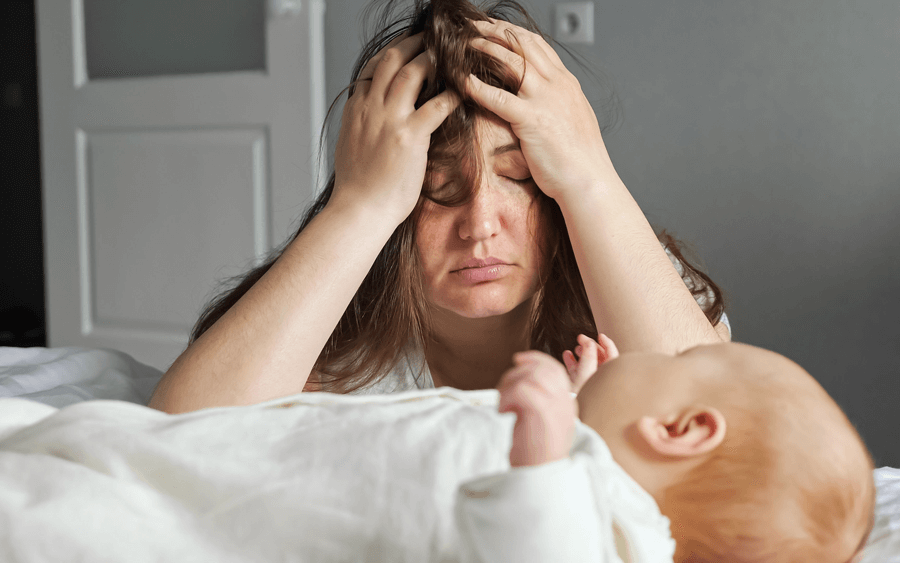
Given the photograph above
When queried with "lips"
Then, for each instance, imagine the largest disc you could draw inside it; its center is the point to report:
(479, 270)
(480, 263)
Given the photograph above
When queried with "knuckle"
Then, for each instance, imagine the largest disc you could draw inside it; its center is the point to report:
(497, 99)
(443, 104)
(518, 65)
(405, 73)
(360, 110)
(403, 137)
(390, 57)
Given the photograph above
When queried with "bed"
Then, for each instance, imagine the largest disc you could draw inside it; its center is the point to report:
(89, 474)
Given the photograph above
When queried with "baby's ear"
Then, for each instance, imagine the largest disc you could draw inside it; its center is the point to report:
(694, 431)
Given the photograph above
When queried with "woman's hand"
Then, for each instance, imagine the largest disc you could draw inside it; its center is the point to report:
(382, 148)
(537, 388)
(590, 354)
(556, 126)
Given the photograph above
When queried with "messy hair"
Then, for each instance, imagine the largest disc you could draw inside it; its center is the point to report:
(722, 511)
(388, 315)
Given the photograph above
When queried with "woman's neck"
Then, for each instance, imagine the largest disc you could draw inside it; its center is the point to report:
(473, 353)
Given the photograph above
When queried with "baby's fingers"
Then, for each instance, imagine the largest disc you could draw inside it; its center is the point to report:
(607, 349)
(588, 358)
(571, 363)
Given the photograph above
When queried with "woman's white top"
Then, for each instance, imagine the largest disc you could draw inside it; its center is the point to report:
(410, 373)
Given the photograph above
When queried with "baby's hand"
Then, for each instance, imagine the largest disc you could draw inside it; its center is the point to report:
(537, 388)
(590, 355)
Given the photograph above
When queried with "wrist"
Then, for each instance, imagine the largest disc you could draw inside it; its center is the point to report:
(373, 214)
(600, 184)
(543, 442)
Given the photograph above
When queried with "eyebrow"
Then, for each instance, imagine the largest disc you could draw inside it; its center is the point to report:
(509, 147)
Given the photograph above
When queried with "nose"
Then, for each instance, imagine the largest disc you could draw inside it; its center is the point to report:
(480, 217)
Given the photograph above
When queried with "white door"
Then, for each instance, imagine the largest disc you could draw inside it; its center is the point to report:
(157, 183)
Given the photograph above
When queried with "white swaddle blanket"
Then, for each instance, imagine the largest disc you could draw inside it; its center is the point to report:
(314, 478)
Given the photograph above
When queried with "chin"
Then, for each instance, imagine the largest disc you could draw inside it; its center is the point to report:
(487, 304)
(481, 312)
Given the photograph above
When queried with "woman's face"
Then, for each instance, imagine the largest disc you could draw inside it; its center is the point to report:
(483, 258)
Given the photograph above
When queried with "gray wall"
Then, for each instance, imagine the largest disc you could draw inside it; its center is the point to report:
(767, 135)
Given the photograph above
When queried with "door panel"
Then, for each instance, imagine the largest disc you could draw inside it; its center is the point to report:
(200, 37)
(169, 208)
(157, 187)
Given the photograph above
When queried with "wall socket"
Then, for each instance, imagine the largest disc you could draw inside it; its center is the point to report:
(574, 22)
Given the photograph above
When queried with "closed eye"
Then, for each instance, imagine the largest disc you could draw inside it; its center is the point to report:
(525, 180)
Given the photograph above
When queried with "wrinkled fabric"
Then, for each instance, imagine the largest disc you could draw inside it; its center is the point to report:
(315, 477)
(884, 541)
(584, 508)
(67, 375)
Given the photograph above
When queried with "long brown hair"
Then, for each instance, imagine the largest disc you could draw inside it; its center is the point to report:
(388, 313)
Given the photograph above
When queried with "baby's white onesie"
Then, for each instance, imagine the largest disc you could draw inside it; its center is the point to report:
(584, 508)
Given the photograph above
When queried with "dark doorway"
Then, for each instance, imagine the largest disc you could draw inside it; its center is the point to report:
(22, 312)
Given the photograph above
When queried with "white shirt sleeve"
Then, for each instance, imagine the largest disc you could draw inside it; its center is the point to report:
(537, 514)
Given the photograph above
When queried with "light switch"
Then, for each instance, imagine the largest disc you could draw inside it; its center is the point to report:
(574, 22)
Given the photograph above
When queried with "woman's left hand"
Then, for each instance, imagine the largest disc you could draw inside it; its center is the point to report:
(556, 125)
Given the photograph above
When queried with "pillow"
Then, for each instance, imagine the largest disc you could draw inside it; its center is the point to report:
(884, 542)
(63, 376)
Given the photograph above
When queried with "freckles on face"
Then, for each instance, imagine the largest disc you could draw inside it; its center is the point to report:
(483, 258)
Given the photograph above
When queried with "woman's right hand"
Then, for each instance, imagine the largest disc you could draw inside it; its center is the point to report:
(382, 148)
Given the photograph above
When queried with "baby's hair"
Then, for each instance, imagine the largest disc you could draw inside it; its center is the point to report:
(751, 502)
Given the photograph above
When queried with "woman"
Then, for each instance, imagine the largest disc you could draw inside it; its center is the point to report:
(473, 213)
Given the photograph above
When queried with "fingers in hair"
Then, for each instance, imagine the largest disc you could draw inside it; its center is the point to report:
(408, 82)
(512, 60)
(387, 63)
(433, 112)
(368, 71)
(503, 104)
(535, 48)
(364, 81)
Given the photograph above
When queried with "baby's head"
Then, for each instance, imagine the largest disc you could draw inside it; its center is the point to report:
(743, 450)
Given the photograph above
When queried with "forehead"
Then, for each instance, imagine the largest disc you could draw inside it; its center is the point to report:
(492, 145)
(491, 132)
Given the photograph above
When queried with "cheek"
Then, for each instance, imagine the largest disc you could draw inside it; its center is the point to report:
(431, 237)
(537, 231)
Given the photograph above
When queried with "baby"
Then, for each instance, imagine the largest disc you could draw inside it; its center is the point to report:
(742, 450)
